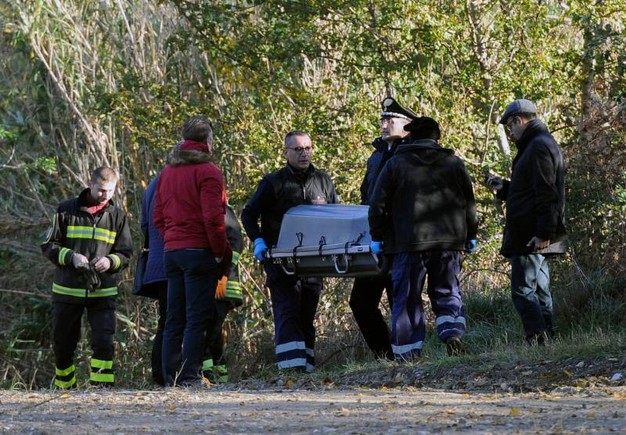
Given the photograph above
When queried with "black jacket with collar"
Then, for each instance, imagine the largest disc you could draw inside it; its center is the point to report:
(535, 195)
(375, 163)
(427, 193)
(74, 229)
(278, 192)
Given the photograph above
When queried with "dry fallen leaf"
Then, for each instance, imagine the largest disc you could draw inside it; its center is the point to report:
(582, 383)
(515, 412)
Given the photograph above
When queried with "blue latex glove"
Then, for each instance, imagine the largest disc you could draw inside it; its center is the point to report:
(260, 248)
(470, 246)
(376, 247)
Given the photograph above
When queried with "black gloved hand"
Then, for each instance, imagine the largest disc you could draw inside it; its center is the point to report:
(90, 276)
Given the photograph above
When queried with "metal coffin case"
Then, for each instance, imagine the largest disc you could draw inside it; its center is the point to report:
(326, 240)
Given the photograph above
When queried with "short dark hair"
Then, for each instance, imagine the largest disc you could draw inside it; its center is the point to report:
(104, 174)
(198, 128)
(293, 133)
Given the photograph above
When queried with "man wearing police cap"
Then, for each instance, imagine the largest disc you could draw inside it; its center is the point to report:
(367, 291)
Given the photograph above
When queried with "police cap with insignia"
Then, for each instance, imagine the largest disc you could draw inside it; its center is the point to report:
(392, 109)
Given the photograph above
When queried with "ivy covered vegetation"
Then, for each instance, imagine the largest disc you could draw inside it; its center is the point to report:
(86, 83)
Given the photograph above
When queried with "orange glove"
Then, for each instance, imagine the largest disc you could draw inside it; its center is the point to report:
(220, 290)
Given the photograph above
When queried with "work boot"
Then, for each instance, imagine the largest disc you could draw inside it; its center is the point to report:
(455, 346)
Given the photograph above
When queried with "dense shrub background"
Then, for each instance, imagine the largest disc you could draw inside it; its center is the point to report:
(86, 83)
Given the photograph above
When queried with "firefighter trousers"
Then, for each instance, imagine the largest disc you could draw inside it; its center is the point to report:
(66, 334)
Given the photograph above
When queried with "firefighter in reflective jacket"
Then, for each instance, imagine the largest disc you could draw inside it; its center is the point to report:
(89, 241)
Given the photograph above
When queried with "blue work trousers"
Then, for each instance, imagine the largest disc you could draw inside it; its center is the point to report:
(408, 273)
(294, 303)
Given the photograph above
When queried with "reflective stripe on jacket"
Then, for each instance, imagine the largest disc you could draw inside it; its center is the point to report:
(74, 229)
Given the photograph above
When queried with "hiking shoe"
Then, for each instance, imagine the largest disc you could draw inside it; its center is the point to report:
(455, 347)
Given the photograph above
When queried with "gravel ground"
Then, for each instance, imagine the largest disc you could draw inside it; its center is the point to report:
(313, 410)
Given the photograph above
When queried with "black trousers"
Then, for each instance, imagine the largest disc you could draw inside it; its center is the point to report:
(214, 348)
(365, 299)
(66, 326)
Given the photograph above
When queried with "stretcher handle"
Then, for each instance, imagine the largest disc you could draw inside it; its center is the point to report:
(288, 272)
(300, 237)
(322, 243)
(347, 262)
(382, 262)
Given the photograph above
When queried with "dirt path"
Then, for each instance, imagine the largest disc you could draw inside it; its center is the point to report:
(321, 410)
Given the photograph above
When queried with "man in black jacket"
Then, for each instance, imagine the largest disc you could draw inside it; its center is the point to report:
(367, 291)
(426, 193)
(294, 299)
(535, 215)
(89, 242)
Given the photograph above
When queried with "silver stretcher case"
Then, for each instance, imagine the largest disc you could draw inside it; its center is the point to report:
(330, 240)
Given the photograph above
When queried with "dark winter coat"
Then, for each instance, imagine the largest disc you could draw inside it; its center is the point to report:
(74, 229)
(155, 270)
(426, 193)
(535, 195)
(278, 192)
(376, 161)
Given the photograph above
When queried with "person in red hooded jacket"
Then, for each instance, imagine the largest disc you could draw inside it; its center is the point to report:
(189, 214)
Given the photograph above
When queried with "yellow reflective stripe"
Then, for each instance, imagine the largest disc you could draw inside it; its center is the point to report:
(64, 254)
(207, 365)
(65, 384)
(235, 259)
(222, 373)
(79, 232)
(65, 372)
(101, 364)
(65, 378)
(233, 290)
(105, 235)
(80, 292)
(102, 377)
(83, 232)
(116, 262)
(235, 285)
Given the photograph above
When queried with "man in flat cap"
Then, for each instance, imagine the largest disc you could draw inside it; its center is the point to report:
(367, 291)
(535, 215)
(423, 211)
